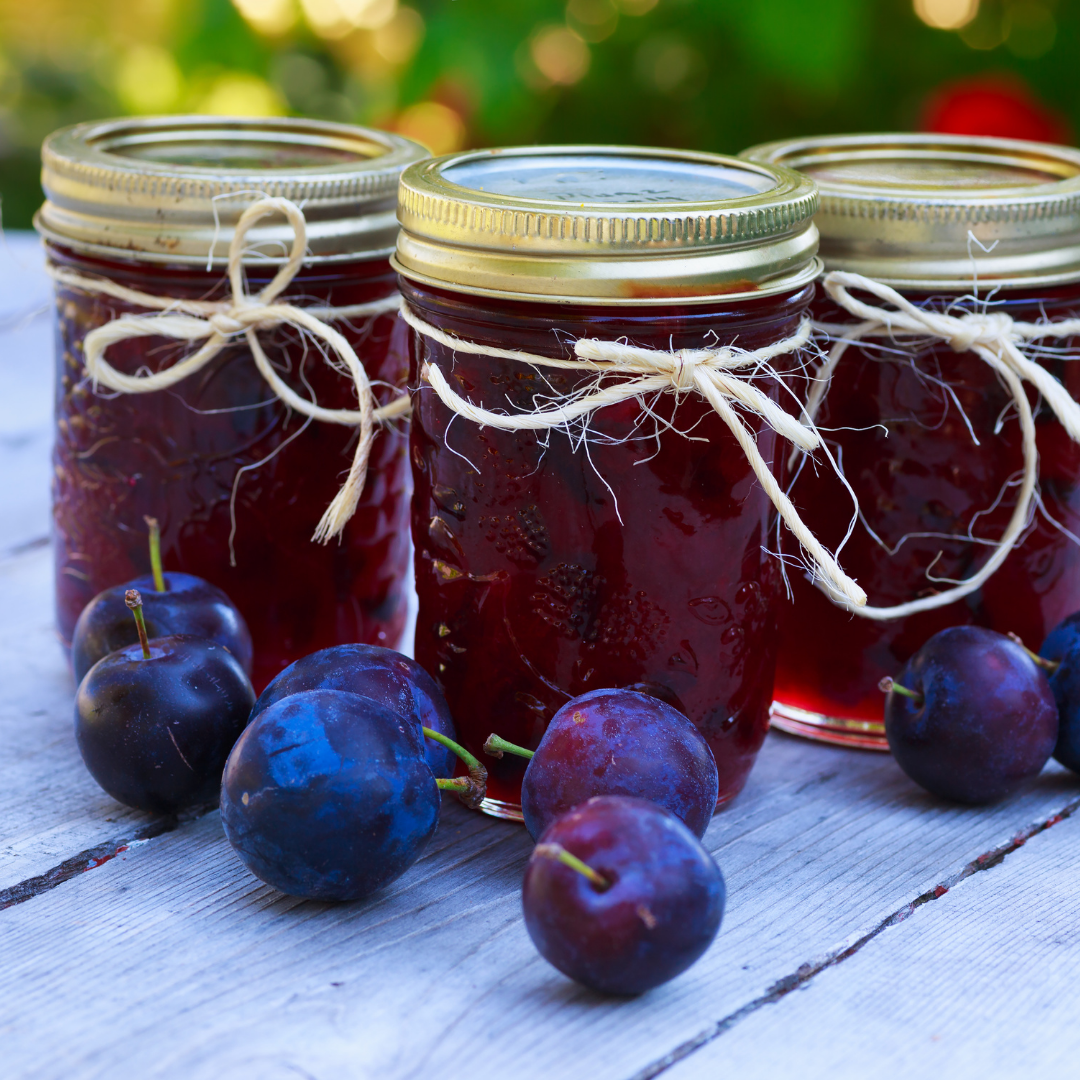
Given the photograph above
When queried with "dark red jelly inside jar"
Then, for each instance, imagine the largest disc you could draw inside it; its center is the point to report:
(904, 422)
(237, 480)
(548, 564)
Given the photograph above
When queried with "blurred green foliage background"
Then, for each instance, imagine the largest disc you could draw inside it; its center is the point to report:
(708, 74)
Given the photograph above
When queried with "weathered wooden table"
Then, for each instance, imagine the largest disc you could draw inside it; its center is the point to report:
(870, 932)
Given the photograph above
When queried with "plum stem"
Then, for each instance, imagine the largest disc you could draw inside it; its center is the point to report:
(496, 746)
(558, 853)
(470, 791)
(889, 685)
(476, 770)
(1047, 665)
(134, 602)
(155, 553)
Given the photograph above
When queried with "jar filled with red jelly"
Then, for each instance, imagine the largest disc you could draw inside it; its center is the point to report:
(928, 435)
(631, 547)
(237, 480)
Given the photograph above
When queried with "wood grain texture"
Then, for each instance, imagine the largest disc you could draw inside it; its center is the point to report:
(26, 375)
(171, 961)
(980, 982)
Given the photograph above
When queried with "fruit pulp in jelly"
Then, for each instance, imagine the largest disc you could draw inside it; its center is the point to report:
(904, 427)
(236, 479)
(549, 565)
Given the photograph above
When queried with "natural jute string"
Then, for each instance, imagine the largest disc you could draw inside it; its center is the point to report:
(995, 338)
(219, 322)
(713, 373)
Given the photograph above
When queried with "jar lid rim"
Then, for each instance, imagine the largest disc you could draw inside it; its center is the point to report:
(594, 221)
(932, 210)
(173, 187)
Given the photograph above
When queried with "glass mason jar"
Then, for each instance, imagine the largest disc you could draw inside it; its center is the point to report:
(631, 550)
(927, 435)
(237, 480)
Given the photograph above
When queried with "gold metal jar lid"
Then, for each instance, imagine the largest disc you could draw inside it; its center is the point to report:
(170, 189)
(902, 208)
(605, 225)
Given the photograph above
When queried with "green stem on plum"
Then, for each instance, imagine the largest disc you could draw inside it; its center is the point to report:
(134, 602)
(471, 790)
(560, 854)
(1049, 666)
(155, 553)
(496, 746)
(889, 685)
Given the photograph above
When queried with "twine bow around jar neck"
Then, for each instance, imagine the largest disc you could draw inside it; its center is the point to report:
(995, 338)
(720, 375)
(218, 323)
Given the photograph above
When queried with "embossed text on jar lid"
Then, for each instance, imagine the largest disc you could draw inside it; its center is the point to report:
(170, 189)
(933, 211)
(605, 225)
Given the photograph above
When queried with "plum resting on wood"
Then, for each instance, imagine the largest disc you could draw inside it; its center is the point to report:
(621, 896)
(971, 716)
(618, 742)
(155, 730)
(380, 674)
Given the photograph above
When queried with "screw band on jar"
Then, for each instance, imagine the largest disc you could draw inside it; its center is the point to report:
(219, 321)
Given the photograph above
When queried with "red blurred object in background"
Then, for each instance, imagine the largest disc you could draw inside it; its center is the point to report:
(995, 105)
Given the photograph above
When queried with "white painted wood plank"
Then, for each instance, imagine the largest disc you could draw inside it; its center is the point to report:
(170, 961)
(50, 809)
(26, 378)
(981, 982)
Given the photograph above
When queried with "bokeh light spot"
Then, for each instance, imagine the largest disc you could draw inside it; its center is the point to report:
(593, 20)
(946, 14)
(559, 55)
(238, 93)
(671, 65)
(398, 40)
(336, 18)
(434, 125)
(1030, 30)
(271, 17)
(148, 80)
(636, 7)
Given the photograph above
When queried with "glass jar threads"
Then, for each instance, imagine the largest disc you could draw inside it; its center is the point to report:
(237, 476)
(976, 231)
(575, 529)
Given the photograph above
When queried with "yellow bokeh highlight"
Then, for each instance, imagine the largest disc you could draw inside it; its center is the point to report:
(148, 80)
(398, 40)
(594, 20)
(636, 7)
(434, 125)
(270, 17)
(559, 55)
(336, 18)
(237, 93)
(946, 14)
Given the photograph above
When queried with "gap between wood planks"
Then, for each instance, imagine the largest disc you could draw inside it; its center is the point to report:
(90, 859)
(102, 853)
(782, 987)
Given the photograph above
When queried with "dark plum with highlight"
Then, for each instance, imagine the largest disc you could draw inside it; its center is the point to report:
(383, 675)
(620, 742)
(620, 896)
(971, 717)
